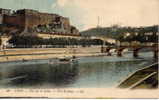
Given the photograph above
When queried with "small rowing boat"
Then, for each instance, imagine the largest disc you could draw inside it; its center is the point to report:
(64, 60)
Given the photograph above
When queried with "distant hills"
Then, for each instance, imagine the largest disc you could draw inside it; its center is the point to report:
(118, 31)
(98, 31)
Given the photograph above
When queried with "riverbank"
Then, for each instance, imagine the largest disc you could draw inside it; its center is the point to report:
(9, 55)
(145, 78)
(94, 71)
(25, 54)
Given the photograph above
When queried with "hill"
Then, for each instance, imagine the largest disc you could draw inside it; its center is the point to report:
(99, 31)
(117, 32)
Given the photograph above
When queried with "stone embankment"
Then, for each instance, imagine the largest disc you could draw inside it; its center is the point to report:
(46, 53)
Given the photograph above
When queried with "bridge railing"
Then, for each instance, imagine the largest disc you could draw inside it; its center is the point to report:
(138, 44)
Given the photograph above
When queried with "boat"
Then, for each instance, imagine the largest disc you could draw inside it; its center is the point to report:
(64, 60)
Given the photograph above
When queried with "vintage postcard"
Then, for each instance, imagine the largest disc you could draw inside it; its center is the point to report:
(79, 48)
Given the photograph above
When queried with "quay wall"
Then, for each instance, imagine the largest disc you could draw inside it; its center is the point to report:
(47, 53)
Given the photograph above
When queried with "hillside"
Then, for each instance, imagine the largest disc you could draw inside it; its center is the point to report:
(118, 32)
(101, 31)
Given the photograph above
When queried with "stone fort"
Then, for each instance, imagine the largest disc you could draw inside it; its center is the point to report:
(39, 21)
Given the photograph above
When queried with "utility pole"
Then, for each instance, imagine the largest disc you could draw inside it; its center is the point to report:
(98, 23)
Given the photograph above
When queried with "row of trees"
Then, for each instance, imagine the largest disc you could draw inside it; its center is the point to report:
(0, 41)
(137, 34)
(140, 37)
(34, 40)
(118, 32)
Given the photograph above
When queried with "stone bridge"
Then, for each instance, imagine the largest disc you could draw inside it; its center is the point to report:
(135, 49)
(105, 39)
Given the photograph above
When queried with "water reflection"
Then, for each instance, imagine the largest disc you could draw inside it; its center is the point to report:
(96, 72)
(105, 74)
(29, 75)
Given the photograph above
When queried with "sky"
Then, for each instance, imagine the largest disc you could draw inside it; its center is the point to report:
(84, 14)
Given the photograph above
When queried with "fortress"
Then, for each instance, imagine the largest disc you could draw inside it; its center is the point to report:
(27, 19)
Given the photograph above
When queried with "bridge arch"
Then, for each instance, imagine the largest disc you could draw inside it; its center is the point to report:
(135, 49)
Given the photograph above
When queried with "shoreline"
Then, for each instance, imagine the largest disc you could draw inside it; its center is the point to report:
(46, 53)
(47, 58)
(29, 54)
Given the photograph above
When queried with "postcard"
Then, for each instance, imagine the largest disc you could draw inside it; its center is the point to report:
(79, 48)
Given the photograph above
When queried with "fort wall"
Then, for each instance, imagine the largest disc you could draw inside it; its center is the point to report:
(14, 20)
(5, 11)
(26, 18)
(34, 18)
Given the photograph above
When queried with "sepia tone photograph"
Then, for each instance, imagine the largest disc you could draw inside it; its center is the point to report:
(79, 48)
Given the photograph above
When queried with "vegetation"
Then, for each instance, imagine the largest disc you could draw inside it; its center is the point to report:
(119, 33)
(29, 41)
(139, 34)
(0, 41)
(123, 34)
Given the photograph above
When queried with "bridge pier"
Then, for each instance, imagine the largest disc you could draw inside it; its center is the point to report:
(106, 50)
(155, 52)
(102, 49)
(119, 53)
(109, 54)
(136, 49)
(135, 53)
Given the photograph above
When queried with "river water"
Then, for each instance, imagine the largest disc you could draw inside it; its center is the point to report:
(89, 72)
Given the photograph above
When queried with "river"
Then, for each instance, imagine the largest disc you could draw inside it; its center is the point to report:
(89, 72)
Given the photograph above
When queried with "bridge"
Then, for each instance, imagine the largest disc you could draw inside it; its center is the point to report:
(135, 49)
(105, 39)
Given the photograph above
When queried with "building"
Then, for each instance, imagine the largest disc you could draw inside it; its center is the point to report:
(148, 33)
(5, 11)
(74, 30)
(33, 19)
(4, 42)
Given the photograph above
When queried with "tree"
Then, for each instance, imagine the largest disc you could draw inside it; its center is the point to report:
(0, 41)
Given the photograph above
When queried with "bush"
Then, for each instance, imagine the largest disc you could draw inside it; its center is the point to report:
(29, 41)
